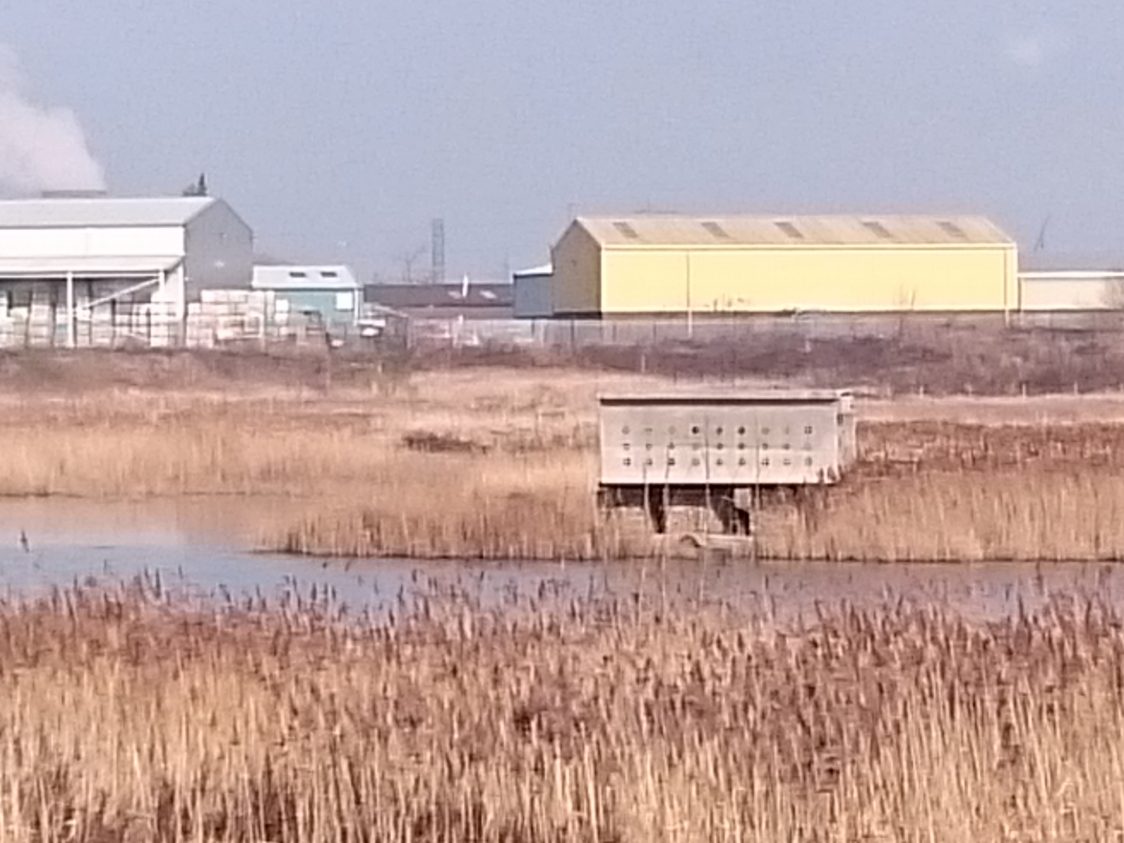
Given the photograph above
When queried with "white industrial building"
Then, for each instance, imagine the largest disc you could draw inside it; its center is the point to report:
(66, 261)
(1062, 284)
(1072, 289)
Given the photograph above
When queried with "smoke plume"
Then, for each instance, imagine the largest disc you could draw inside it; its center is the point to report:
(41, 147)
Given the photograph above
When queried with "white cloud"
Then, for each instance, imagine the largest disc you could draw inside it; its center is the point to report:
(41, 147)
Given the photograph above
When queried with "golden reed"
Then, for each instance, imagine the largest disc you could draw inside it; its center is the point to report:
(448, 473)
(131, 716)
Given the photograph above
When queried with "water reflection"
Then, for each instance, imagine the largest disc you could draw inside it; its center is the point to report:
(200, 545)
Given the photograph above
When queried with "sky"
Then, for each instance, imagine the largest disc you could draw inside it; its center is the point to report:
(339, 129)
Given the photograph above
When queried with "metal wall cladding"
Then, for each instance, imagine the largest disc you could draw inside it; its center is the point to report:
(699, 444)
(534, 296)
(665, 265)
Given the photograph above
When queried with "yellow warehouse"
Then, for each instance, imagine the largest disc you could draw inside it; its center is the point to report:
(661, 264)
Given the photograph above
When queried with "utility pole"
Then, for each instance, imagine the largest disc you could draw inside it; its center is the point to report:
(690, 314)
(437, 251)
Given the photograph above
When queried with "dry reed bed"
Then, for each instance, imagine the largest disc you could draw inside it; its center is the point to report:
(897, 447)
(474, 513)
(921, 492)
(1038, 515)
(462, 469)
(123, 716)
(459, 506)
(951, 492)
(141, 445)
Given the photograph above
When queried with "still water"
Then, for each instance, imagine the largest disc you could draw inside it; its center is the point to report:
(205, 546)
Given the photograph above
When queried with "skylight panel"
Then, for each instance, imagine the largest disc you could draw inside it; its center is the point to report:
(790, 229)
(716, 230)
(952, 230)
(627, 230)
(879, 229)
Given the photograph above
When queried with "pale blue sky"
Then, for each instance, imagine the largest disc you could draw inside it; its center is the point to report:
(340, 128)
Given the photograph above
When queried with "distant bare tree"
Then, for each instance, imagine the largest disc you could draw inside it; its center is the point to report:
(409, 261)
(907, 306)
(197, 188)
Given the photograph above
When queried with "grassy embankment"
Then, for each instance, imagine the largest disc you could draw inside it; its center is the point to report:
(501, 463)
(128, 718)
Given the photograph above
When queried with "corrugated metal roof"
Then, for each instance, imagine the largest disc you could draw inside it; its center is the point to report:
(85, 267)
(101, 212)
(725, 395)
(421, 296)
(1062, 276)
(284, 277)
(1063, 262)
(534, 272)
(851, 230)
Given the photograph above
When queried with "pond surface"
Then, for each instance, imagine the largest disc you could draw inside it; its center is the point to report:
(205, 546)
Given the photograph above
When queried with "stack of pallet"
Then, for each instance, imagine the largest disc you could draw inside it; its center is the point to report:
(285, 325)
(216, 318)
(102, 329)
(219, 317)
(15, 330)
(163, 324)
(41, 320)
(130, 324)
(7, 324)
(222, 316)
(199, 332)
(82, 328)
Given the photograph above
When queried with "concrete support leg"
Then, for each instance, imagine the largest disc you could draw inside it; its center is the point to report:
(735, 520)
(655, 503)
(71, 333)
